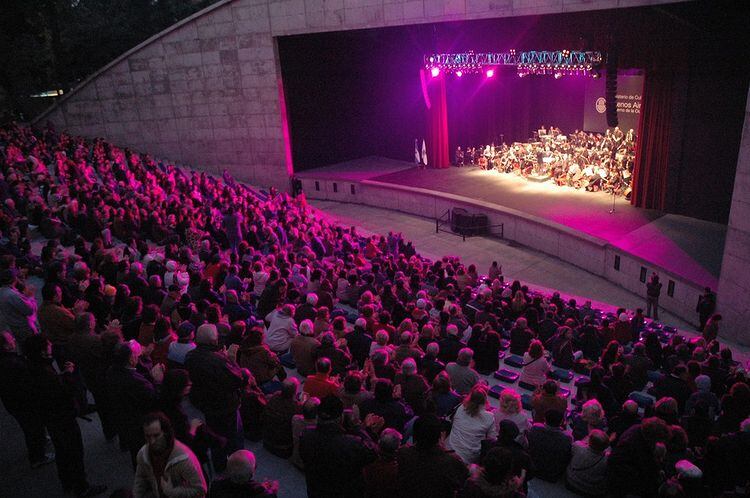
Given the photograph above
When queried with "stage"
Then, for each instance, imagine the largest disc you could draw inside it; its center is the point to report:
(574, 225)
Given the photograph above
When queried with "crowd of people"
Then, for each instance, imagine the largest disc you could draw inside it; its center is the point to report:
(591, 161)
(168, 293)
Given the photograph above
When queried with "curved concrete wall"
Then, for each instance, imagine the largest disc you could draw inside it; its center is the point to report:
(207, 91)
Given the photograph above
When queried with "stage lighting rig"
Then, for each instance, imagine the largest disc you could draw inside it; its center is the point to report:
(554, 63)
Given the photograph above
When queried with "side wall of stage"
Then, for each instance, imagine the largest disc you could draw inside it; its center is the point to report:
(589, 253)
(734, 282)
(207, 91)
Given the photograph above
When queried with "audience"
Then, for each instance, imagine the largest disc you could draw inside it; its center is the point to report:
(173, 290)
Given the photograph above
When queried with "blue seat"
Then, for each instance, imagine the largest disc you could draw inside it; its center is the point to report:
(527, 386)
(507, 375)
(643, 400)
(526, 401)
(495, 391)
(514, 361)
(561, 374)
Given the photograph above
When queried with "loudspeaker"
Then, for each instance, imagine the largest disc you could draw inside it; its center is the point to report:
(459, 220)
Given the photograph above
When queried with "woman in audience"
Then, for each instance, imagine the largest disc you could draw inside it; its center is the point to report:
(535, 366)
(510, 408)
(472, 424)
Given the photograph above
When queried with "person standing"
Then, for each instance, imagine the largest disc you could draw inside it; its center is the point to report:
(166, 467)
(54, 403)
(653, 291)
(17, 310)
(705, 307)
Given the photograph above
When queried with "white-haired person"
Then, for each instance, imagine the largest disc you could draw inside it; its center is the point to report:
(281, 329)
(511, 408)
(239, 479)
(302, 348)
(472, 424)
(591, 417)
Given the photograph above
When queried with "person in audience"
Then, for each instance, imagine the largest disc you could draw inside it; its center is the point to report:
(627, 418)
(549, 446)
(218, 383)
(426, 468)
(535, 366)
(510, 408)
(414, 387)
(381, 475)
(445, 399)
(282, 329)
(394, 412)
(165, 466)
(450, 345)
(334, 460)
(638, 452)
(303, 347)
(54, 405)
(431, 364)
(239, 479)
(485, 343)
(587, 471)
(263, 363)
(179, 349)
(590, 418)
(520, 337)
(300, 422)
(495, 477)
(463, 376)
(547, 398)
(321, 384)
(131, 394)
(472, 423)
(279, 412)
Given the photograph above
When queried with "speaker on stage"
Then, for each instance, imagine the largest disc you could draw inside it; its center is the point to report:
(610, 93)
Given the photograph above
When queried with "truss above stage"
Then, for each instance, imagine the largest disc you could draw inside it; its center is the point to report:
(556, 63)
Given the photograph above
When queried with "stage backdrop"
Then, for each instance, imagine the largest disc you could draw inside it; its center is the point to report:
(629, 100)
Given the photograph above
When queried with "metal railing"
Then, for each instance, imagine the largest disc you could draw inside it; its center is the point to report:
(444, 223)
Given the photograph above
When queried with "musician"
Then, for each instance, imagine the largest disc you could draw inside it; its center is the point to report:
(459, 156)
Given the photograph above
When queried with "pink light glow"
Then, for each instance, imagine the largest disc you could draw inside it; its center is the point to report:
(459, 73)
(490, 73)
(435, 72)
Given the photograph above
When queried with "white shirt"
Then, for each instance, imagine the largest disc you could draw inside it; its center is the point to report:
(468, 433)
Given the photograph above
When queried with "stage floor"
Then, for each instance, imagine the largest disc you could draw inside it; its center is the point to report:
(688, 247)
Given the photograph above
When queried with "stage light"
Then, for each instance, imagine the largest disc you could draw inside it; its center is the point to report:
(490, 73)
(459, 73)
(435, 72)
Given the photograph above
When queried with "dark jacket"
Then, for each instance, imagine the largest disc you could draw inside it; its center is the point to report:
(673, 387)
(431, 367)
(14, 381)
(449, 348)
(394, 412)
(217, 381)
(520, 339)
(334, 461)
(434, 473)
(277, 424)
(131, 396)
(632, 457)
(486, 347)
(358, 341)
(550, 450)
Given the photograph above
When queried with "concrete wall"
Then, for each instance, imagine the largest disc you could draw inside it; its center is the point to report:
(589, 253)
(207, 91)
(734, 283)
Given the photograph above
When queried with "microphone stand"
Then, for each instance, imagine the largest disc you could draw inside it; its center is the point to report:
(614, 198)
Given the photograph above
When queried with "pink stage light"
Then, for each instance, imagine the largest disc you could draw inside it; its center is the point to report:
(435, 71)
(490, 73)
(459, 73)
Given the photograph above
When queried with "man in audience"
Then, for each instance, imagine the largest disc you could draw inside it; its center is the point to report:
(217, 387)
(462, 376)
(238, 479)
(333, 459)
(549, 446)
(426, 468)
(320, 384)
(17, 309)
(166, 467)
(277, 419)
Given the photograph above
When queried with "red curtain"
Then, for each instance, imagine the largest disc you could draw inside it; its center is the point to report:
(438, 155)
(652, 151)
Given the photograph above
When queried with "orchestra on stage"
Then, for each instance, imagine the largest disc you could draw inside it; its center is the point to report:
(591, 161)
